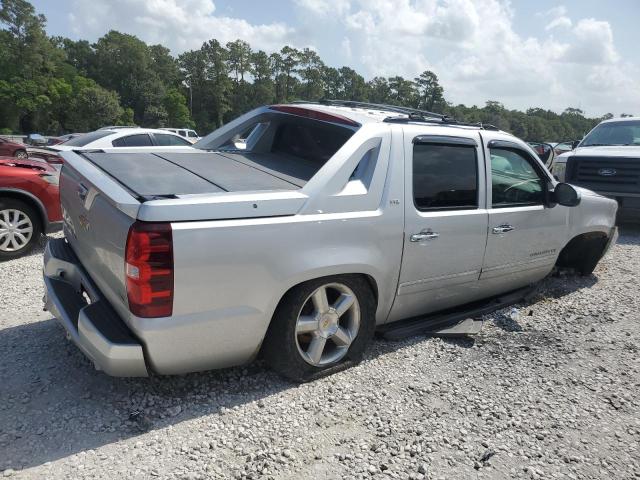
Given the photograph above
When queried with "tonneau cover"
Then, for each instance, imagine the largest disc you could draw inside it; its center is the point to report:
(152, 175)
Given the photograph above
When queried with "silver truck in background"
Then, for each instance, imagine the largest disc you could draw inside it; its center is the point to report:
(332, 220)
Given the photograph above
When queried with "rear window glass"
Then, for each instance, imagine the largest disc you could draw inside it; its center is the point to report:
(87, 138)
(139, 140)
(312, 141)
(166, 140)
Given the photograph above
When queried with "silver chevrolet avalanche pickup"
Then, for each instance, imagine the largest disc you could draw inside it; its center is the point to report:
(296, 230)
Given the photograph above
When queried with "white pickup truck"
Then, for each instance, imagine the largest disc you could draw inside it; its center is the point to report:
(332, 220)
(607, 160)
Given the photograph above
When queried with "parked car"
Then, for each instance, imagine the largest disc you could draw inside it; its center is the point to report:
(545, 152)
(141, 138)
(29, 204)
(12, 149)
(337, 218)
(607, 161)
(36, 139)
(187, 133)
(45, 154)
(562, 147)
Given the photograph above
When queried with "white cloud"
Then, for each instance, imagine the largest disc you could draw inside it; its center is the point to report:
(177, 24)
(473, 47)
(593, 43)
(559, 22)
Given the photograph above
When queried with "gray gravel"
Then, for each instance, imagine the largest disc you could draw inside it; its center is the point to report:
(553, 394)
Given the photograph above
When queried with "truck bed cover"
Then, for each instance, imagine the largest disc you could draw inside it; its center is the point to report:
(152, 175)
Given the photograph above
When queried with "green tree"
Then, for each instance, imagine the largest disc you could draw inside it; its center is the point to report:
(177, 112)
(430, 93)
(263, 88)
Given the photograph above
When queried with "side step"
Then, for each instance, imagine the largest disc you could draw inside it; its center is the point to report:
(463, 321)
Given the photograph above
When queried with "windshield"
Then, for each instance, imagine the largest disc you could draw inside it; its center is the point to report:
(614, 133)
(86, 139)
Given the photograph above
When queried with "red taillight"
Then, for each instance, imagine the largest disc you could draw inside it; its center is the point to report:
(149, 269)
(314, 114)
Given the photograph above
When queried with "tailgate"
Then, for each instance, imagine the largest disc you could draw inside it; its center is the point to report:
(97, 214)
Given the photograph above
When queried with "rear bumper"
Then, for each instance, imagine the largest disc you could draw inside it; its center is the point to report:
(94, 327)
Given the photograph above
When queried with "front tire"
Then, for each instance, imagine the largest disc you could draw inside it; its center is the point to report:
(22, 154)
(20, 228)
(321, 326)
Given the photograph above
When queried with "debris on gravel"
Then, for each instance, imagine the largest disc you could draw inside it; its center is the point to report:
(548, 391)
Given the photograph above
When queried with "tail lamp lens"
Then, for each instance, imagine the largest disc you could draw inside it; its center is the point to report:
(149, 269)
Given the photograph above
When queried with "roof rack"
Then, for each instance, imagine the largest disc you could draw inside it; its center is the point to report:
(447, 121)
(382, 106)
(412, 114)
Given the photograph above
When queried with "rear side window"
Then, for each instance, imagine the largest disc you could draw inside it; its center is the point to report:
(182, 133)
(445, 177)
(139, 140)
(310, 140)
(165, 140)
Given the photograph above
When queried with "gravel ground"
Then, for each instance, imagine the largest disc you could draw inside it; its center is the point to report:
(552, 394)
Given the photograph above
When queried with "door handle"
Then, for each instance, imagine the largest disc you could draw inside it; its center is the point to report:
(423, 235)
(504, 228)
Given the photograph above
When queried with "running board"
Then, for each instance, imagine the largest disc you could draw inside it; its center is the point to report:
(464, 321)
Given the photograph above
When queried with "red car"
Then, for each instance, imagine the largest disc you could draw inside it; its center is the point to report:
(29, 204)
(12, 149)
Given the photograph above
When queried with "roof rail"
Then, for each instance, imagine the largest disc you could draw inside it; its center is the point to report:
(446, 122)
(381, 106)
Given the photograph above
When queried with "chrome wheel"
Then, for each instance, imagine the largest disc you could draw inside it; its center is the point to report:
(21, 154)
(327, 324)
(16, 230)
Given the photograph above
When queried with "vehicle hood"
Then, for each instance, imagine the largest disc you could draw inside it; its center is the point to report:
(612, 151)
(12, 162)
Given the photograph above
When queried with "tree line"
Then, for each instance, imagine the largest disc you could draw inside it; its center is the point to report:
(56, 85)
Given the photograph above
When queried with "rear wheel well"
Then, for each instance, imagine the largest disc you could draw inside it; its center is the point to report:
(583, 252)
(29, 201)
(370, 281)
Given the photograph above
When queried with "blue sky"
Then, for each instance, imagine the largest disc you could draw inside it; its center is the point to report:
(553, 54)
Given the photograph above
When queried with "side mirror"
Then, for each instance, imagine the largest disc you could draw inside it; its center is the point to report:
(575, 144)
(564, 194)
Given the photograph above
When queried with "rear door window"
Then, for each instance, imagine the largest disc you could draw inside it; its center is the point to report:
(165, 140)
(445, 177)
(138, 140)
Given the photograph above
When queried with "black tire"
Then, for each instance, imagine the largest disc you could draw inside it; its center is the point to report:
(34, 218)
(591, 256)
(20, 154)
(280, 347)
